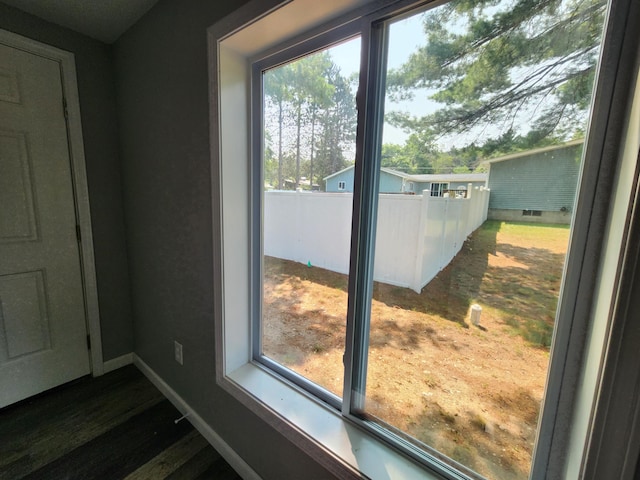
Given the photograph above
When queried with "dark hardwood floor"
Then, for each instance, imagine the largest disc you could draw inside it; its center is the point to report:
(117, 426)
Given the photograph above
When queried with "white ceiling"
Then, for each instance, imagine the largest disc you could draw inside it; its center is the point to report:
(103, 20)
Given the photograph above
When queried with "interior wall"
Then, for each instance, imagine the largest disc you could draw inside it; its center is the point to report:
(96, 86)
(162, 87)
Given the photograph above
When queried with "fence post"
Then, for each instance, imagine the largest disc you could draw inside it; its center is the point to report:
(478, 208)
(422, 225)
(485, 207)
(459, 226)
(443, 234)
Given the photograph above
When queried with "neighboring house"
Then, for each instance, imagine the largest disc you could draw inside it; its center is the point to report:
(537, 185)
(393, 181)
(304, 184)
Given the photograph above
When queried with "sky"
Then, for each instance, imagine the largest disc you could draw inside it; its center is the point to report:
(405, 37)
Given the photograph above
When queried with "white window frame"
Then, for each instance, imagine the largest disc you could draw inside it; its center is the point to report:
(332, 439)
(342, 185)
(441, 187)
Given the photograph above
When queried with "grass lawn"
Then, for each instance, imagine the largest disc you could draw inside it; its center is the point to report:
(471, 392)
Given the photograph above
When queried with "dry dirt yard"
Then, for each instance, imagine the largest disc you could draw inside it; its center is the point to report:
(470, 392)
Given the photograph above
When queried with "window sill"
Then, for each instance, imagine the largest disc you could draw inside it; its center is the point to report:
(327, 429)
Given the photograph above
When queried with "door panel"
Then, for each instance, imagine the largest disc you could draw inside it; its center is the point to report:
(17, 218)
(9, 86)
(42, 314)
(24, 314)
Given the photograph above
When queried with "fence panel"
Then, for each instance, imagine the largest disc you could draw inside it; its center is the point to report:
(398, 222)
(309, 227)
(416, 237)
(432, 240)
(450, 246)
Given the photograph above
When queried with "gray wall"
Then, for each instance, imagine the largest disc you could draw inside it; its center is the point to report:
(162, 85)
(544, 181)
(94, 65)
(509, 215)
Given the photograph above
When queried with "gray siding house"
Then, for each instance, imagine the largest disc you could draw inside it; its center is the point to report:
(536, 186)
(393, 181)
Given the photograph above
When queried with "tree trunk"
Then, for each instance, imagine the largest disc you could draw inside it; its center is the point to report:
(313, 135)
(298, 128)
(280, 120)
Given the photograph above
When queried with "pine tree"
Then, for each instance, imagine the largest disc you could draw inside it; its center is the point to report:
(521, 71)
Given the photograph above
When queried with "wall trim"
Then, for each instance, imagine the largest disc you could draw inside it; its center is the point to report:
(239, 465)
(118, 362)
(66, 60)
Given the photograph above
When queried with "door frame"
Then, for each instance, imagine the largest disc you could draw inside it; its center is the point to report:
(67, 63)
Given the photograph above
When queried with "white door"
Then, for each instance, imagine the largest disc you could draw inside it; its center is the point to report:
(43, 337)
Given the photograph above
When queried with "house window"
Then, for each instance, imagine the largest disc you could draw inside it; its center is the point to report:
(438, 189)
(301, 361)
(531, 213)
(341, 185)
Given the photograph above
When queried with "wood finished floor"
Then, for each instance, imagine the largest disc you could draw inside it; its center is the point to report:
(118, 426)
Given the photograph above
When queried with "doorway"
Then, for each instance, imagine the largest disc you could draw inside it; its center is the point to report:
(49, 323)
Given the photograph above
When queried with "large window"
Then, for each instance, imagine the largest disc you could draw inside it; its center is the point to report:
(413, 317)
(308, 129)
(446, 97)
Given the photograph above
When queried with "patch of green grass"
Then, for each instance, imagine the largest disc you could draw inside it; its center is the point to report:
(538, 333)
(512, 322)
(533, 231)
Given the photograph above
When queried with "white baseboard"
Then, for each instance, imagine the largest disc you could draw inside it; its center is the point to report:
(237, 463)
(118, 362)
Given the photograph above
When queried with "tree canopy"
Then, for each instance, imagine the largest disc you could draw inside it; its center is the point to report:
(506, 75)
(493, 76)
(309, 121)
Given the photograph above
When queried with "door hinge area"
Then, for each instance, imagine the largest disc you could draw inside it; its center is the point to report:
(78, 234)
(88, 342)
(64, 108)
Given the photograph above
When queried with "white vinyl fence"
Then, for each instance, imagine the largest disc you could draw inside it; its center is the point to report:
(417, 235)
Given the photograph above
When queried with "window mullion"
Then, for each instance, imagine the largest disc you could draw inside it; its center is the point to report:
(370, 103)
(256, 180)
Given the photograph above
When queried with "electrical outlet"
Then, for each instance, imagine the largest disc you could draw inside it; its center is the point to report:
(177, 351)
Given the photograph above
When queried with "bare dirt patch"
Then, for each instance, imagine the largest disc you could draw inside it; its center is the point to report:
(472, 393)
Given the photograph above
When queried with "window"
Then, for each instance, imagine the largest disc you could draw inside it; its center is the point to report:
(438, 189)
(374, 395)
(460, 191)
(405, 381)
(531, 213)
(305, 238)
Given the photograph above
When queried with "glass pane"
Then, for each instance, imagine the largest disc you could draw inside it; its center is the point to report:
(486, 107)
(309, 150)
